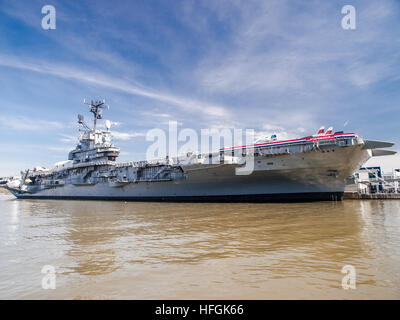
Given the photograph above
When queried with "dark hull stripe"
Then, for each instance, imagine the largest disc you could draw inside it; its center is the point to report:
(278, 197)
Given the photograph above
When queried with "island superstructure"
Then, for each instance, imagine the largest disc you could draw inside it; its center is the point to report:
(306, 169)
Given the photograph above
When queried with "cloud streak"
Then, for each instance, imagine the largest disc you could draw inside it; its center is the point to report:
(96, 78)
(312, 55)
(28, 124)
(126, 135)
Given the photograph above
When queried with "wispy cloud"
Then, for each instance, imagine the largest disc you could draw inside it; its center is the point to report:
(321, 58)
(126, 135)
(28, 124)
(68, 138)
(97, 78)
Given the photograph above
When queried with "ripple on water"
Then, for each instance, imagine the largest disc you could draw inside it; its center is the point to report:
(167, 250)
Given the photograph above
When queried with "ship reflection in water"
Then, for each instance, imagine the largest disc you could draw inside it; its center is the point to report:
(194, 251)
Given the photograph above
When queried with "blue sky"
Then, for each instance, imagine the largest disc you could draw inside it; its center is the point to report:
(274, 66)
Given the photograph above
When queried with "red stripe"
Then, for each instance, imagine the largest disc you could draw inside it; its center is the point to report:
(325, 137)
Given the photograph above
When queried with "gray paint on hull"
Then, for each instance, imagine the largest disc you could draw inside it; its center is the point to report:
(309, 174)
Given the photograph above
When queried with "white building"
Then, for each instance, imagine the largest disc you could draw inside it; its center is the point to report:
(393, 179)
(373, 180)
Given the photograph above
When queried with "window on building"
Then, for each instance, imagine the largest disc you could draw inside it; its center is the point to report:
(371, 175)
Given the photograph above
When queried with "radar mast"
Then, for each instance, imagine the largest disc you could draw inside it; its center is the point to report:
(96, 107)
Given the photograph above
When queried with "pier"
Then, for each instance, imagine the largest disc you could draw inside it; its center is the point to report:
(370, 196)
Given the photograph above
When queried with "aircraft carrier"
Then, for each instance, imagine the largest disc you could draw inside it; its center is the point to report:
(311, 168)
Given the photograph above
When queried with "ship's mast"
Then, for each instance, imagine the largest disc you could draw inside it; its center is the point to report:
(96, 108)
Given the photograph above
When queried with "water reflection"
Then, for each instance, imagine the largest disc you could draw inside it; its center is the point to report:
(167, 250)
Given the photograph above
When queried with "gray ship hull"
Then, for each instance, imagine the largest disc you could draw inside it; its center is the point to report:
(313, 176)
